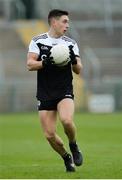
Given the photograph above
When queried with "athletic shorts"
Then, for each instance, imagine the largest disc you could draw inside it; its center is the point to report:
(51, 105)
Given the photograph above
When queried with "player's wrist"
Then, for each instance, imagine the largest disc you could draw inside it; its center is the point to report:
(44, 64)
(74, 61)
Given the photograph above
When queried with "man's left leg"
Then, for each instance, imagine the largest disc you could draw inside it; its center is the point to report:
(66, 112)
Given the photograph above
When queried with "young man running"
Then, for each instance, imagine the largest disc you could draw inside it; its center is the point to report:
(54, 86)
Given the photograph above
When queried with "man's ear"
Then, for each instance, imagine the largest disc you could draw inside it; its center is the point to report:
(53, 21)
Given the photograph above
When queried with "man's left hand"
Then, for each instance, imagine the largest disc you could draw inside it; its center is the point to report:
(72, 56)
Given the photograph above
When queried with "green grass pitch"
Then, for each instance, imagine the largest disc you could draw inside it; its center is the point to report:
(24, 152)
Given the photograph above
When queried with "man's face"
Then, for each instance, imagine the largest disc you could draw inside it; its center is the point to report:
(61, 25)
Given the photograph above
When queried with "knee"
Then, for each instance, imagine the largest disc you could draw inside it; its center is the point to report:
(67, 122)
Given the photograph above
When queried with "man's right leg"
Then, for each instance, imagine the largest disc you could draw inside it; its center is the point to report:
(48, 122)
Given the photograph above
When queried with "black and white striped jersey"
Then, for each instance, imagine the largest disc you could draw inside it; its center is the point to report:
(45, 41)
(52, 82)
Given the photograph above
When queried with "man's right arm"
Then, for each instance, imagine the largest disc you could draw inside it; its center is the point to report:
(32, 62)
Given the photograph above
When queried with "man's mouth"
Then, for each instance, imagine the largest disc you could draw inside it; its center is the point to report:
(65, 30)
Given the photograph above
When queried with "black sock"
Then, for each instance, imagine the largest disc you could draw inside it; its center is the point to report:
(73, 146)
(64, 156)
(73, 142)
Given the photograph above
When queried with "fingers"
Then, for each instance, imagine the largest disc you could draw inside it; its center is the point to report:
(70, 47)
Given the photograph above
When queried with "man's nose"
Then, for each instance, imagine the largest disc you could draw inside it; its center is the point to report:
(67, 26)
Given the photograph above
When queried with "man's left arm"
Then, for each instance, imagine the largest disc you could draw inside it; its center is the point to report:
(77, 68)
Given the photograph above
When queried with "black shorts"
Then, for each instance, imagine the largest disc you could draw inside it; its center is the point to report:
(51, 105)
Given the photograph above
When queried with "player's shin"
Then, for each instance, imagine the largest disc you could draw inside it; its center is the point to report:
(57, 144)
(70, 130)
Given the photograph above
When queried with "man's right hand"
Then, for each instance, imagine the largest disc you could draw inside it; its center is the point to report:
(48, 60)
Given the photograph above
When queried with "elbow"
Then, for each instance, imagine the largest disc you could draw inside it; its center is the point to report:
(77, 72)
(79, 68)
(29, 67)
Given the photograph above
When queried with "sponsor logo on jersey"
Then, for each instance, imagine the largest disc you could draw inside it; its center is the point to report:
(44, 47)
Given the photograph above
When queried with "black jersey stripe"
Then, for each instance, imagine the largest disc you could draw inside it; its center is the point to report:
(43, 36)
(68, 39)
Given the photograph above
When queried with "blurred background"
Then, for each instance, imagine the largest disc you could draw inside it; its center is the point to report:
(96, 25)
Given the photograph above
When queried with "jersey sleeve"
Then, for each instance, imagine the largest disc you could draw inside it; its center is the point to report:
(33, 47)
(76, 50)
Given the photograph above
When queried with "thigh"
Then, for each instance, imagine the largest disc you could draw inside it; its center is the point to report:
(48, 120)
(66, 109)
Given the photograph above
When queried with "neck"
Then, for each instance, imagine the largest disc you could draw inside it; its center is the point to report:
(53, 34)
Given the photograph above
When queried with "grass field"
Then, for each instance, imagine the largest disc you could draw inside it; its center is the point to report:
(24, 152)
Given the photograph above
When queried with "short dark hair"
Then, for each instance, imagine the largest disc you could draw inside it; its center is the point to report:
(56, 13)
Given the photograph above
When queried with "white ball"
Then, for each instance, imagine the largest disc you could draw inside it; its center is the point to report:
(60, 54)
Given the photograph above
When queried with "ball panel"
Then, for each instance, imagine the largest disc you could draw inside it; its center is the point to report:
(60, 54)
